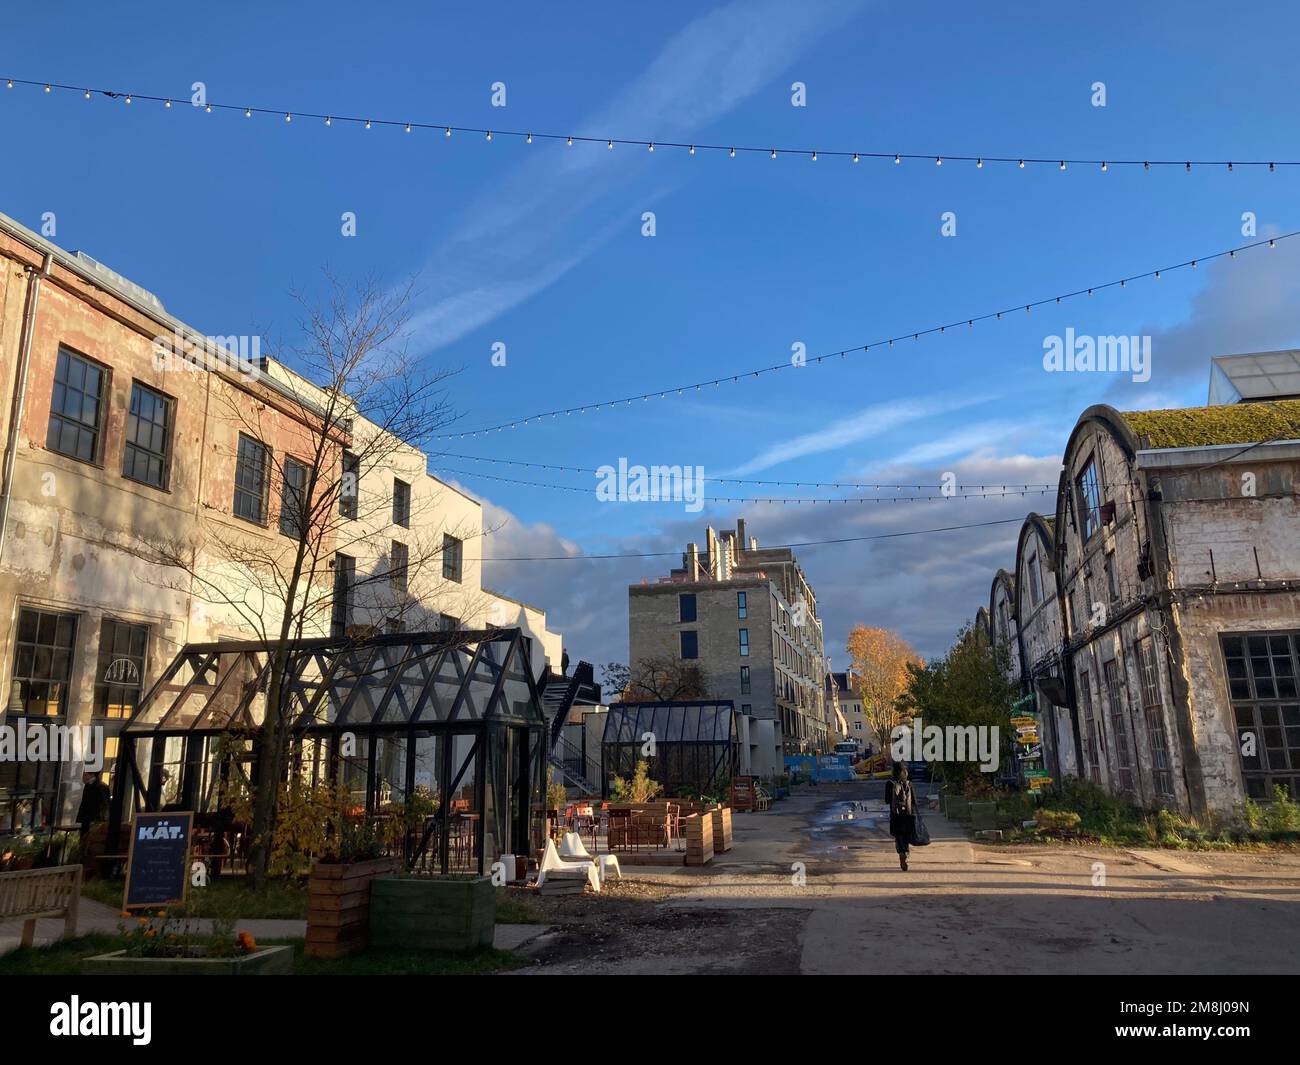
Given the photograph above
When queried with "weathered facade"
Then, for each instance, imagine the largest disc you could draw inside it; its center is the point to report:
(128, 436)
(1158, 613)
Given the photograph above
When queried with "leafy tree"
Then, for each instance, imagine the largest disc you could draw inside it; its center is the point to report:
(967, 686)
(880, 660)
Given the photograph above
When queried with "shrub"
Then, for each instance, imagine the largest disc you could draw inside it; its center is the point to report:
(640, 788)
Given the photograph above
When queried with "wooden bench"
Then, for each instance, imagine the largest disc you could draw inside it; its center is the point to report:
(31, 894)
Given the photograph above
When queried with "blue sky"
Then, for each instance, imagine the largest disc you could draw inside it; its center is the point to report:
(540, 247)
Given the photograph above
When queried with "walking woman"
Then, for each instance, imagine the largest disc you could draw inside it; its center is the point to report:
(902, 811)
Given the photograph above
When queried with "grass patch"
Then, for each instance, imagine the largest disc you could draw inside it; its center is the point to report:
(1080, 811)
(226, 897)
(513, 909)
(64, 959)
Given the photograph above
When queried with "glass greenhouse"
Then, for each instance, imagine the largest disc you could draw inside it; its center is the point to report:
(451, 718)
(695, 744)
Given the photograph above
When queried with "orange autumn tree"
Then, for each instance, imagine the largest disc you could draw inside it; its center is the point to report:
(880, 658)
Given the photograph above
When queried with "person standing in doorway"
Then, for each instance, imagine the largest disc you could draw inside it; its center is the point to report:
(94, 804)
(901, 801)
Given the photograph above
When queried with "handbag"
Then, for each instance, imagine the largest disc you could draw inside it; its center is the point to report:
(920, 834)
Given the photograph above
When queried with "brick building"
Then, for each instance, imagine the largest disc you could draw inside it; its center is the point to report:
(121, 428)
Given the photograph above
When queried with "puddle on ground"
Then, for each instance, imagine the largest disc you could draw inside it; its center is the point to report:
(848, 826)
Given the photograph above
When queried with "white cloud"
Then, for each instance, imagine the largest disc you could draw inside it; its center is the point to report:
(869, 422)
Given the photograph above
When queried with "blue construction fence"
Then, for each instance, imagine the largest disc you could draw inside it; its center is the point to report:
(820, 768)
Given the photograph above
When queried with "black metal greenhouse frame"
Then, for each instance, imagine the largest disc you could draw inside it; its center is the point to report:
(405, 686)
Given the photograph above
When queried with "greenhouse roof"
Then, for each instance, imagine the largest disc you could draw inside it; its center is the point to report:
(394, 681)
(683, 722)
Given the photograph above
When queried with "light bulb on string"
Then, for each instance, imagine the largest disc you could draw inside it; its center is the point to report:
(328, 121)
(1104, 167)
(87, 94)
(528, 139)
(367, 123)
(897, 159)
(979, 164)
(288, 116)
(692, 151)
(208, 109)
(47, 88)
(855, 157)
(733, 153)
(570, 142)
(447, 131)
(408, 130)
(128, 96)
(1022, 164)
(167, 103)
(489, 134)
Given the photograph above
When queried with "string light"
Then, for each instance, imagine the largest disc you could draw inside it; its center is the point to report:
(529, 139)
(208, 109)
(941, 492)
(856, 348)
(854, 154)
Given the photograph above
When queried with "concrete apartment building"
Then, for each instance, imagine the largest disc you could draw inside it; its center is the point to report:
(107, 448)
(749, 617)
(1157, 615)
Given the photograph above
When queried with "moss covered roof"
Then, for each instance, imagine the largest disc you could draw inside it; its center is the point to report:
(1238, 423)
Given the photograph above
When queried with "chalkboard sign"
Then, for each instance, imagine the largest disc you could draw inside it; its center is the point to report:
(158, 861)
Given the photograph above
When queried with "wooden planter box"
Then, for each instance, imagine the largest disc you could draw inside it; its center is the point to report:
(721, 829)
(265, 961)
(699, 839)
(451, 913)
(338, 905)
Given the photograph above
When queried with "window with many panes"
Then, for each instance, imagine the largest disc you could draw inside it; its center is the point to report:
(690, 643)
(742, 605)
(1035, 592)
(448, 623)
(1091, 745)
(148, 436)
(401, 503)
(686, 608)
(399, 562)
(1262, 682)
(744, 642)
(349, 485)
(250, 480)
(1118, 725)
(451, 558)
(76, 407)
(1089, 499)
(293, 498)
(345, 573)
(119, 671)
(1154, 712)
(43, 661)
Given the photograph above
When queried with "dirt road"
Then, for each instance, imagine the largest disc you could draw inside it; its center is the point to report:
(814, 886)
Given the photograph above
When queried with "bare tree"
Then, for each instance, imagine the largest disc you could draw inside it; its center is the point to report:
(664, 679)
(346, 402)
